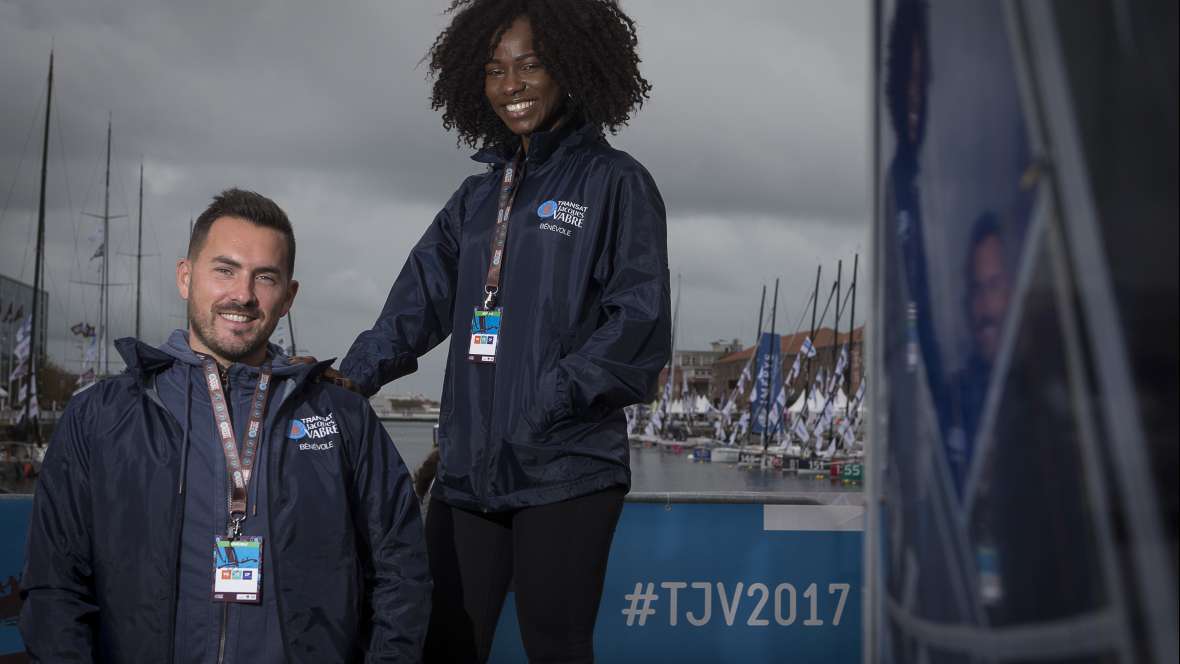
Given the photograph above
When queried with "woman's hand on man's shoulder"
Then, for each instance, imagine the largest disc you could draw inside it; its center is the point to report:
(329, 374)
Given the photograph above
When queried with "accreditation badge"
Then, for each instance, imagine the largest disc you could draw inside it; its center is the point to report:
(485, 335)
(237, 569)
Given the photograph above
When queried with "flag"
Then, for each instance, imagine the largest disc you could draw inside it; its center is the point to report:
(820, 380)
(836, 378)
(742, 425)
(21, 351)
(800, 431)
(25, 329)
(842, 361)
(745, 377)
(780, 408)
(794, 373)
(848, 434)
(860, 395)
(19, 371)
(654, 423)
(78, 328)
(100, 252)
(22, 394)
(827, 454)
(684, 383)
(770, 373)
(825, 419)
(91, 356)
(86, 377)
(807, 349)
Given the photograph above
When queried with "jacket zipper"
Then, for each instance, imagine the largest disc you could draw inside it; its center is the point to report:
(221, 641)
(225, 606)
(179, 520)
(273, 463)
(483, 490)
(176, 548)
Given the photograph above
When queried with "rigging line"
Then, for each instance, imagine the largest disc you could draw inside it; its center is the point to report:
(91, 179)
(21, 161)
(126, 298)
(159, 291)
(53, 287)
(802, 315)
(28, 242)
(820, 323)
(65, 176)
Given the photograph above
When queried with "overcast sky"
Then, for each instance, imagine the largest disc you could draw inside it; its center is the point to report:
(757, 134)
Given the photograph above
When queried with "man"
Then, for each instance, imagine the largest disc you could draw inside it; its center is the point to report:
(169, 490)
(989, 286)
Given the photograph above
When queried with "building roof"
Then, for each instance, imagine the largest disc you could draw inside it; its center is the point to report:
(791, 343)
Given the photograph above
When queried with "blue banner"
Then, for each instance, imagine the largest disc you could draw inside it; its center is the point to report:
(768, 378)
(725, 583)
(687, 582)
(14, 524)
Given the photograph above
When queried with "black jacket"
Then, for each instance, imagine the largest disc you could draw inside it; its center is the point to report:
(346, 557)
(585, 329)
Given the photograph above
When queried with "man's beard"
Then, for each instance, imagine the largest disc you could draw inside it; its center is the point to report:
(238, 347)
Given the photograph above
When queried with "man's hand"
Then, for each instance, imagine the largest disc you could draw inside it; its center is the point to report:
(330, 374)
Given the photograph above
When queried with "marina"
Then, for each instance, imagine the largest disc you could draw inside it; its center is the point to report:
(653, 470)
(948, 434)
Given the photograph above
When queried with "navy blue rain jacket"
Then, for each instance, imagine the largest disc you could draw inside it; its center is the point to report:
(585, 330)
(344, 549)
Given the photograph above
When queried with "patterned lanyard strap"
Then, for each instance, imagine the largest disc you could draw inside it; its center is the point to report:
(237, 466)
(513, 174)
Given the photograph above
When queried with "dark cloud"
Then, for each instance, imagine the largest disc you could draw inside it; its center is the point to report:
(757, 133)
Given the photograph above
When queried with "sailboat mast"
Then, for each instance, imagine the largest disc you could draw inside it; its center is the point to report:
(188, 321)
(814, 306)
(34, 328)
(851, 323)
(835, 341)
(770, 360)
(104, 296)
(754, 356)
(139, 252)
(836, 325)
(291, 329)
(670, 386)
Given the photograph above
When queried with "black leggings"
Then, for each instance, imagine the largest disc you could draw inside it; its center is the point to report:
(555, 555)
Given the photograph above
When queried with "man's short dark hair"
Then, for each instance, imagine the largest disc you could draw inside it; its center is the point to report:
(907, 32)
(250, 206)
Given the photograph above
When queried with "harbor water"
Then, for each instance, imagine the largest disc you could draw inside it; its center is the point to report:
(651, 469)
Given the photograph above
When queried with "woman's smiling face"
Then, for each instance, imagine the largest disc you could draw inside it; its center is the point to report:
(524, 95)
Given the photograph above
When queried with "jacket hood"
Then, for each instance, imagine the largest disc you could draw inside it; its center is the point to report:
(142, 359)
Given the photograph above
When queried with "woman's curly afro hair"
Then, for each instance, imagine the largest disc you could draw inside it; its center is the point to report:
(587, 46)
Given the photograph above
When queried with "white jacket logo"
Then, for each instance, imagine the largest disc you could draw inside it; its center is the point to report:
(566, 216)
(311, 432)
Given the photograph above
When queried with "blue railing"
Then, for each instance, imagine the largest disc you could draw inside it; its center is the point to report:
(723, 577)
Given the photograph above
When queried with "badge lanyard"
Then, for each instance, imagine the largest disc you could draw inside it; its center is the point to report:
(513, 174)
(237, 466)
(485, 321)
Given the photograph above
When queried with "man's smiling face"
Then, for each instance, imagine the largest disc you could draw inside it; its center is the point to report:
(237, 289)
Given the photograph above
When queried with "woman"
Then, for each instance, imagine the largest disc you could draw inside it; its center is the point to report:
(558, 319)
